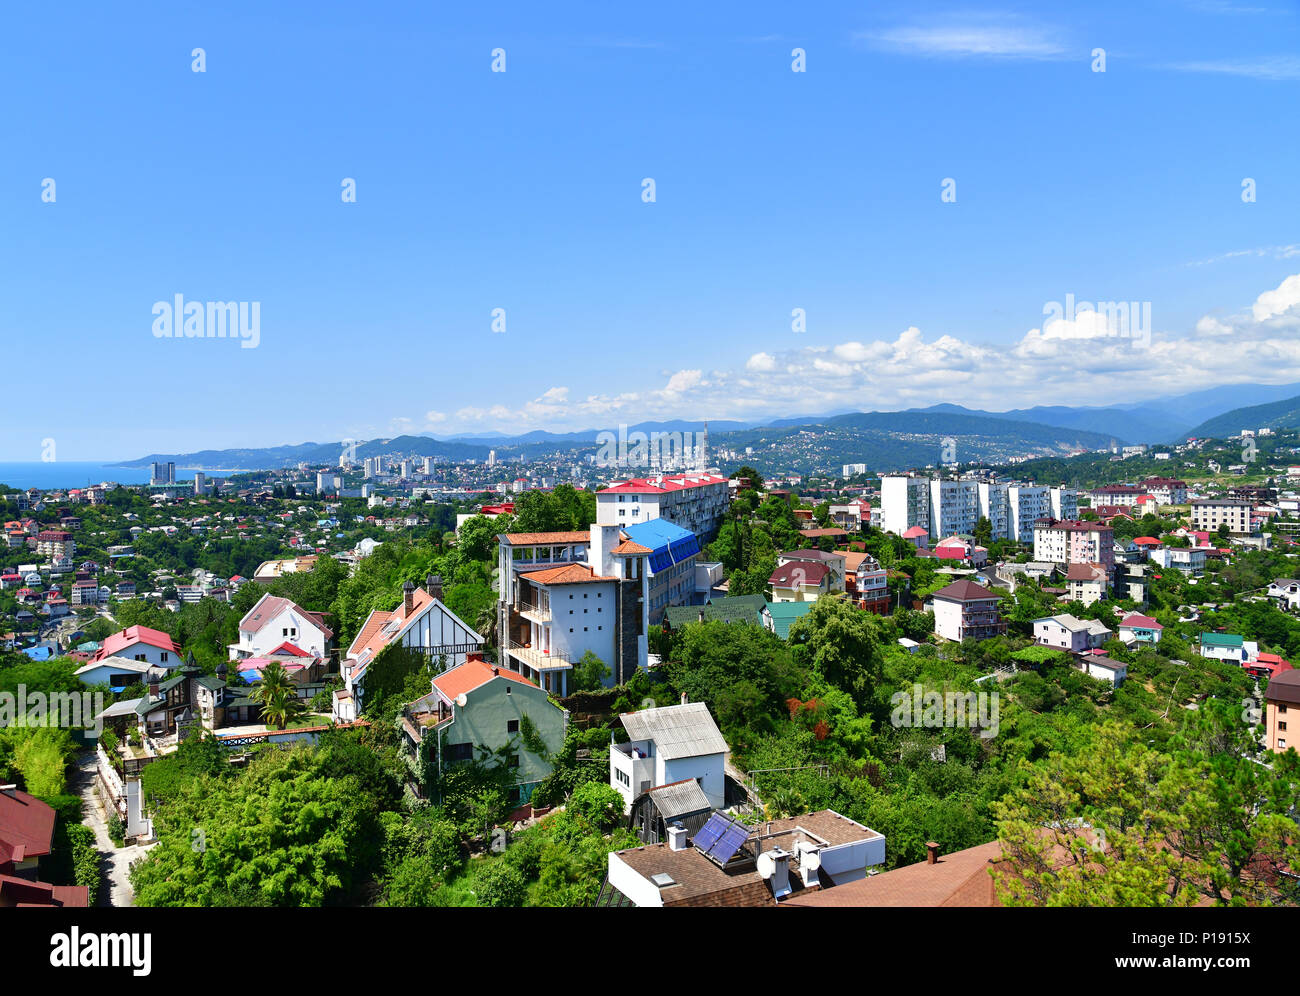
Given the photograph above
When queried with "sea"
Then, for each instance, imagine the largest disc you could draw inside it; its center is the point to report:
(61, 474)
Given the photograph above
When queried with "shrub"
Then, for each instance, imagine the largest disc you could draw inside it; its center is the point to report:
(500, 885)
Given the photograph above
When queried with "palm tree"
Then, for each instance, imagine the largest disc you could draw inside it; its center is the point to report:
(277, 695)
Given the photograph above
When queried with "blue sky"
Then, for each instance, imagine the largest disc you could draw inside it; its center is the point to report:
(522, 190)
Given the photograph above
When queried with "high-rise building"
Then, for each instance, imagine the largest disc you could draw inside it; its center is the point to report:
(163, 473)
(200, 483)
(947, 507)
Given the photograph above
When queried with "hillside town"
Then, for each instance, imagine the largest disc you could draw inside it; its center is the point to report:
(695, 686)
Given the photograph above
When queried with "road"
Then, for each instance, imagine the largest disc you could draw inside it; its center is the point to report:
(115, 861)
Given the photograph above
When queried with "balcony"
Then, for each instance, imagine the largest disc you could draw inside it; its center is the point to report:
(539, 660)
(538, 611)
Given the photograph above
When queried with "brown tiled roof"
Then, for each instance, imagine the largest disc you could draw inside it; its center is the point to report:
(958, 879)
(1284, 687)
(964, 591)
(699, 882)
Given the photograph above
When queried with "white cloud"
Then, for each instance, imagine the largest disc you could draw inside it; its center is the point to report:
(683, 380)
(1276, 67)
(970, 38)
(1070, 360)
(1278, 302)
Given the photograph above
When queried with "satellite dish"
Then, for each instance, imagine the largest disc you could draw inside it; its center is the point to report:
(461, 700)
(766, 865)
(811, 860)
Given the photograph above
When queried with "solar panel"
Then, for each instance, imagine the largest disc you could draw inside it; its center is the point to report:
(731, 841)
(709, 833)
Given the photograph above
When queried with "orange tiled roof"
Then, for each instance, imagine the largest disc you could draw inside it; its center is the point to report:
(471, 675)
(631, 546)
(530, 539)
(566, 574)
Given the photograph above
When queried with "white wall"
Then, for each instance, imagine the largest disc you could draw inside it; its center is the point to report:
(708, 768)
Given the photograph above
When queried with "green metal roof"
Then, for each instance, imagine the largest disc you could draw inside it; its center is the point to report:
(736, 608)
(1220, 640)
(784, 613)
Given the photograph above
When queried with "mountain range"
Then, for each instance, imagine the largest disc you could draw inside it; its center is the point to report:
(892, 439)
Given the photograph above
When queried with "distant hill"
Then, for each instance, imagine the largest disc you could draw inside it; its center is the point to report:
(1123, 425)
(1283, 414)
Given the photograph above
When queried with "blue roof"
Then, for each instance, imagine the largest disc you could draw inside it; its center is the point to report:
(38, 653)
(669, 544)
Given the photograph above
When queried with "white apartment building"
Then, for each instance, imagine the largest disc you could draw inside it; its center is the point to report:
(852, 469)
(694, 501)
(1210, 515)
(562, 594)
(945, 507)
(904, 503)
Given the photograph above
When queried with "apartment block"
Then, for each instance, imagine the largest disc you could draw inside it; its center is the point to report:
(1211, 514)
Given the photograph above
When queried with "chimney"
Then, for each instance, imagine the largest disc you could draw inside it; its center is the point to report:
(9, 790)
(495, 671)
(701, 613)
(677, 838)
(408, 596)
(433, 585)
(473, 655)
(684, 698)
(931, 852)
(153, 687)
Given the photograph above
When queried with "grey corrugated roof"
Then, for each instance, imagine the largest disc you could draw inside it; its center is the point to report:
(679, 799)
(124, 708)
(678, 731)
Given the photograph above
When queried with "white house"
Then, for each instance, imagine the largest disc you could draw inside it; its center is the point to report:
(1286, 591)
(421, 622)
(274, 621)
(1103, 668)
(1184, 559)
(1065, 632)
(668, 745)
(140, 643)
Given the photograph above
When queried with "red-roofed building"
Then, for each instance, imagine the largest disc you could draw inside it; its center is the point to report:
(1137, 628)
(26, 832)
(140, 643)
(272, 622)
(800, 581)
(694, 501)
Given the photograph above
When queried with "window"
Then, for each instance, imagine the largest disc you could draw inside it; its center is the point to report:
(164, 657)
(512, 726)
(460, 752)
(509, 689)
(1282, 727)
(623, 777)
